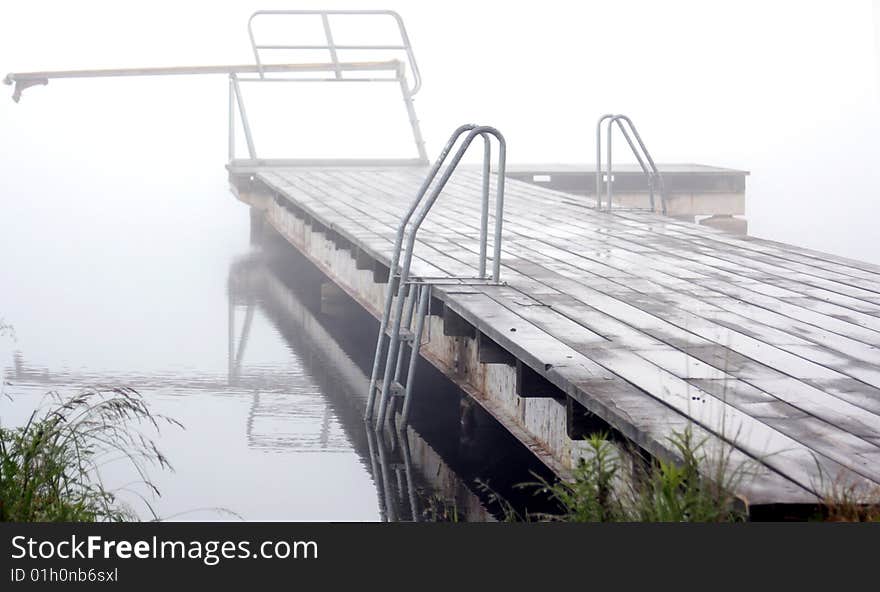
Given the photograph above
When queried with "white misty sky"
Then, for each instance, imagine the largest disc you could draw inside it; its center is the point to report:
(787, 90)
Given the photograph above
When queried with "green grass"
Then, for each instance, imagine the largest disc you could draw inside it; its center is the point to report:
(50, 468)
(697, 487)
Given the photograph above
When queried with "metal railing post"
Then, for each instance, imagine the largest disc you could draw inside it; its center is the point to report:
(231, 120)
(484, 210)
(499, 203)
(609, 181)
(639, 150)
(407, 322)
(244, 120)
(648, 172)
(599, 159)
(424, 298)
(325, 20)
(411, 113)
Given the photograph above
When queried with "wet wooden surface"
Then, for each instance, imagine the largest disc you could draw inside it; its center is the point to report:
(652, 323)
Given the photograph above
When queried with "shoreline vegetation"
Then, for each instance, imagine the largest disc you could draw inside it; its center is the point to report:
(697, 488)
(50, 468)
(609, 485)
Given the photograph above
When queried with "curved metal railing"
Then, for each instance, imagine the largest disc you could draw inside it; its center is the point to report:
(639, 150)
(394, 313)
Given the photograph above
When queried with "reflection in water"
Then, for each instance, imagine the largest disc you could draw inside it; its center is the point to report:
(272, 399)
(412, 480)
(277, 420)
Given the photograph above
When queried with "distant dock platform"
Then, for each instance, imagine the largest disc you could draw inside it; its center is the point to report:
(713, 196)
(628, 320)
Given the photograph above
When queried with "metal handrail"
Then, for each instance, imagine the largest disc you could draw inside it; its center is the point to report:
(655, 179)
(408, 229)
(285, 73)
(395, 260)
(25, 80)
(333, 47)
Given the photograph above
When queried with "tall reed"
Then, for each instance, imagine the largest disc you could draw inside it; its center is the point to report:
(50, 468)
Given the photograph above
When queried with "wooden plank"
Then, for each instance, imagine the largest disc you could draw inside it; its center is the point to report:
(625, 358)
(641, 418)
(852, 348)
(636, 228)
(779, 452)
(865, 353)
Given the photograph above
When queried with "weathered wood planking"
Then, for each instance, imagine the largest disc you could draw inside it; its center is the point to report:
(650, 322)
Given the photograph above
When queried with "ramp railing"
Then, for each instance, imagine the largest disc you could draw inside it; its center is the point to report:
(639, 150)
(342, 71)
(402, 70)
(398, 311)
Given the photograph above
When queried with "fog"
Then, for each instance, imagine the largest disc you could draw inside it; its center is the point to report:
(786, 90)
(117, 227)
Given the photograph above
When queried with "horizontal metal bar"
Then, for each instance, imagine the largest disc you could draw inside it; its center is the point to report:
(195, 70)
(404, 45)
(325, 47)
(258, 79)
(23, 80)
(320, 11)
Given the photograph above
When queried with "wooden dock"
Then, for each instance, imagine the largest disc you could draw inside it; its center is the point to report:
(620, 320)
(646, 323)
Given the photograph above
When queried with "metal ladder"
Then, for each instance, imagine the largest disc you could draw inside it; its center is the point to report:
(405, 318)
(655, 179)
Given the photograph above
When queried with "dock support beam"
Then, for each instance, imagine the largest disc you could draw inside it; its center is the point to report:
(530, 384)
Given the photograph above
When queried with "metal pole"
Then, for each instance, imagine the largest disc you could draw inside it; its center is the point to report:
(407, 322)
(484, 212)
(636, 153)
(609, 181)
(652, 164)
(244, 120)
(231, 120)
(499, 204)
(424, 297)
(650, 169)
(325, 20)
(599, 159)
(411, 113)
(394, 340)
